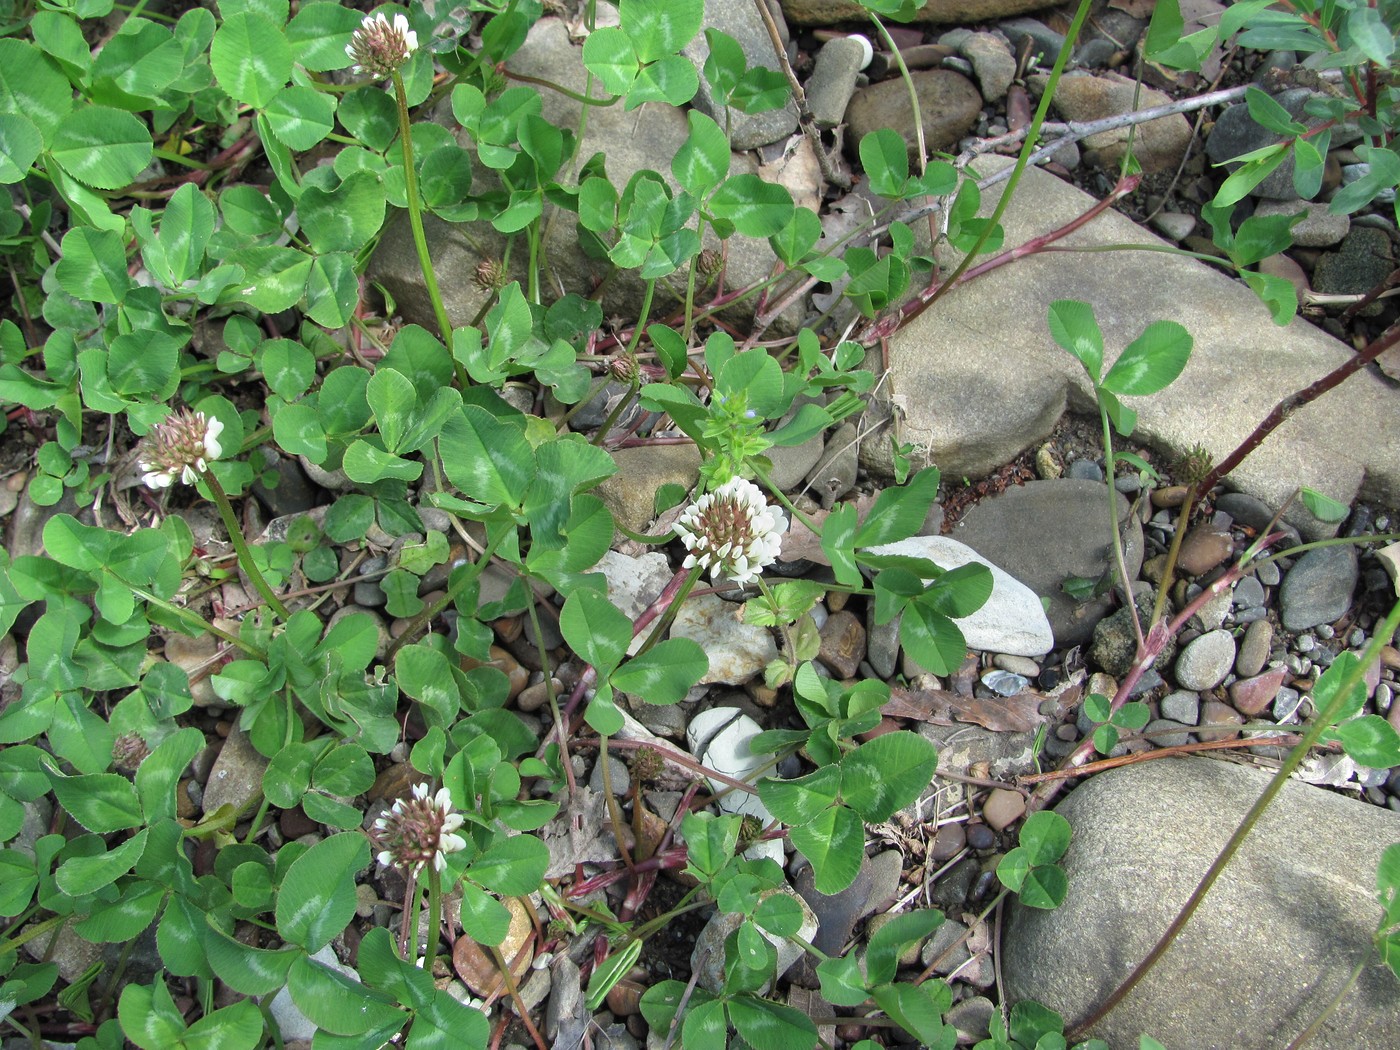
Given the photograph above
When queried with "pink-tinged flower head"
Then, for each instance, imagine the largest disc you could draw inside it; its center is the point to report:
(180, 446)
(732, 531)
(418, 831)
(379, 46)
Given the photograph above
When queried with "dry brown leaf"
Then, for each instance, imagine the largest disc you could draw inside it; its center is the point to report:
(1001, 714)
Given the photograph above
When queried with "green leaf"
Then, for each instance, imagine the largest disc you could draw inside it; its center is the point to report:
(764, 1024)
(93, 265)
(885, 156)
(185, 228)
(1151, 361)
(487, 459)
(288, 367)
(1371, 741)
(281, 277)
(158, 775)
(804, 798)
(609, 55)
(31, 87)
(887, 773)
(596, 629)
(339, 1004)
(842, 982)
(100, 802)
(889, 942)
(149, 1017)
(1044, 887)
(838, 544)
(1269, 114)
(659, 28)
(1384, 174)
(251, 58)
(424, 674)
(301, 117)
(367, 464)
(664, 673)
(484, 919)
(835, 844)
(1328, 687)
(1045, 837)
(671, 79)
(900, 512)
(79, 876)
(343, 219)
(1324, 508)
(1365, 29)
(317, 897)
(20, 145)
(755, 207)
(704, 1027)
(1251, 174)
(934, 641)
(318, 34)
(703, 159)
(125, 918)
(512, 867)
(1073, 327)
(236, 1027)
(102, 147)
(332, 289)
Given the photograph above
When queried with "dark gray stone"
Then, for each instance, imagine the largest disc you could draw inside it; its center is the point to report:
(1046, 531)
(1273, 942)
(1318, 588)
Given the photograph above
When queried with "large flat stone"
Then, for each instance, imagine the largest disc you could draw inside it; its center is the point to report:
(978, 374)
(1273, 942)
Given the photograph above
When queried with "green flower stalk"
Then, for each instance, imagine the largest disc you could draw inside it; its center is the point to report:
(181, 447)
(380, 48)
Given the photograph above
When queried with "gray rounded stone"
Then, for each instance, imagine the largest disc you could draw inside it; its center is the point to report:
(1205, 661)
(1272, 943)
(1318, 588)
(1254, 649)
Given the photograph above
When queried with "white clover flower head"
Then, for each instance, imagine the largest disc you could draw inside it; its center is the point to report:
(179, 446)
(732, 532)
(379, 46)
(418, 830)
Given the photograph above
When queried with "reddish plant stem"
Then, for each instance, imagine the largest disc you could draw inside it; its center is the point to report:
(1297, 400)
(887, 326)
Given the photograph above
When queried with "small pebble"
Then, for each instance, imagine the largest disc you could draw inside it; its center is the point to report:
(1268, 574)
(1248, 593)
(1003, 808)
(1181, 706)
(1215, 713)
(980, 837)
(947, 842)
(1286, 705)
(1254, 648)
(1021, 665)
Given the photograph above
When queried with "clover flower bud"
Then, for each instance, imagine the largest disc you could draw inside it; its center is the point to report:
(379, 46)
(732, 532)
(180, 446)
(128, 752)
(417, 831)
(709, 262)
(490, 275)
